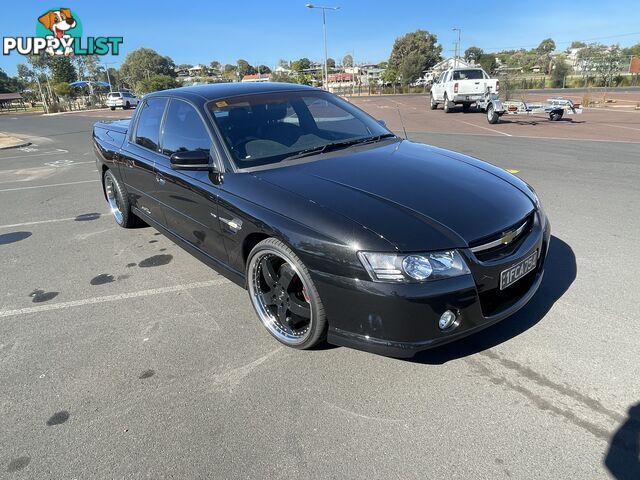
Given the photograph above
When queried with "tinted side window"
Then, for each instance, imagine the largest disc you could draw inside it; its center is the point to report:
(148, 128)
(183, 130)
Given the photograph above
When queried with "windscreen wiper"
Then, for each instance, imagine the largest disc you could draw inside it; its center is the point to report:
(327, 147)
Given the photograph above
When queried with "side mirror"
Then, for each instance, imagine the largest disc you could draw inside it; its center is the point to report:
(191, 160)
(382, 122)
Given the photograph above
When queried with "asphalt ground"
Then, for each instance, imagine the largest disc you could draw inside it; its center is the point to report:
(121, 356)
(593, 124)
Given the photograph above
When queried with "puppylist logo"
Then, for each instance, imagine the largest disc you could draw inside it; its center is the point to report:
(59, 32)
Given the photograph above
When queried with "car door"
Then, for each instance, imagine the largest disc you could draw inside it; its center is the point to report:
(189, 197)
(138, 156)
(438, 87)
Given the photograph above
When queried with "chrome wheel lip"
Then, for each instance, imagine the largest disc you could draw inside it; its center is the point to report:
(112, 198)
(270, 322)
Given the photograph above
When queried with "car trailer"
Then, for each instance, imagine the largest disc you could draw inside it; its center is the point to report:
(555, 107)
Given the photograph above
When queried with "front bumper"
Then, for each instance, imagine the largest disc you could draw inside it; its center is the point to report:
(400, 320)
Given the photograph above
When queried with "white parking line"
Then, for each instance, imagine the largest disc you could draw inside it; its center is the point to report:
(47, 186)
(622, 126)
(59, 151)
(112, 298)
(484, 128)
(40, 222)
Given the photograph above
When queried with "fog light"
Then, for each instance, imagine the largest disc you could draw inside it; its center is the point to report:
(448, 321)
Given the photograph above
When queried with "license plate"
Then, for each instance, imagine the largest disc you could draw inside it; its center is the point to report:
(516, 272)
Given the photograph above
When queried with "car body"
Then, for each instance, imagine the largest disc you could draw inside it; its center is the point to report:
(333, 214)
(461, 86)
(124, 99)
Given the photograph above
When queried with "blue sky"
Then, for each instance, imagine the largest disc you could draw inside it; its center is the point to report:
(262, 31)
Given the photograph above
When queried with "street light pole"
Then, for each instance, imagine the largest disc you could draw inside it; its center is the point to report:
(325, 79)
(457, 52)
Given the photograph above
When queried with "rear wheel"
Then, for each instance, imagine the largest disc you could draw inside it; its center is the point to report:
(447, 105)
(556, 115)
(434, 104)
(284, 296)
(492, 116)
(112, 108)
(118, 201)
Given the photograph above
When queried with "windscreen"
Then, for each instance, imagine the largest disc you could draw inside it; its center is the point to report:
(474, 74)
(268, 128)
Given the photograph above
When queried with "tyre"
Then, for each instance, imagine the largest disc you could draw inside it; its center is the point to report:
(434, 104)
(284, 296)
(127, 106)
(492, 116)
(446, 106)
(466, 107)
(112, 108)
(118, 201)
(556, 115)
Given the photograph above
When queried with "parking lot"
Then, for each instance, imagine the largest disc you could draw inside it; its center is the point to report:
(121, 356)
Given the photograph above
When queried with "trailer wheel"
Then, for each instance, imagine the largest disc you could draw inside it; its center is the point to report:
(434, 104)
(556, 115)
(446, 105)
(492, 116)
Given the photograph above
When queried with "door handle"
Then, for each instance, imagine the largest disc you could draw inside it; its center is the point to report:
(160, 179)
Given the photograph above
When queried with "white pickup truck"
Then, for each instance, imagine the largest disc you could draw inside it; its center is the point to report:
(461, 86)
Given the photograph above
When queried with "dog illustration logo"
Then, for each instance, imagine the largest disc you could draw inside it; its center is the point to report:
(59, 23)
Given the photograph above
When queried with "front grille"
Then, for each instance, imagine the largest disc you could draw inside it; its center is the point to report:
(484, 251)
(494, 300)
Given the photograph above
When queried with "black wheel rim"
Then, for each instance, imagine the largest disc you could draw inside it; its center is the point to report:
(280, 297)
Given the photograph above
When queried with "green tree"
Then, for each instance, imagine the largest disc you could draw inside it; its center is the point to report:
(230, 72)
(488, 62)
(331, 63)
(8, 84)
(62, 70)
(155, 83)
(301, 64)
(473, 54)
(215, 66)
(143, 63)
(633, 50)
(577, 44)
(389, 76)
(263, 69)
(544, 50)
(63, 89)
(414, 53)
(347, 61)
(184, 66)
(560, 70)
(245, 68)
(282, 63)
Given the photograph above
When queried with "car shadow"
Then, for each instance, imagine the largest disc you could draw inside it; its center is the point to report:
(623, 456)
(560, 272)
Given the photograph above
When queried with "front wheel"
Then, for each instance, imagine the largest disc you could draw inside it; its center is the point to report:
(434, 104)
(284, 296)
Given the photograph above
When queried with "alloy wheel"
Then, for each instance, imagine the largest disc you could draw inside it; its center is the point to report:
(280, 297)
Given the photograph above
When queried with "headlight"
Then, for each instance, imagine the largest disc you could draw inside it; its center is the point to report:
(415, 267)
